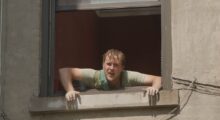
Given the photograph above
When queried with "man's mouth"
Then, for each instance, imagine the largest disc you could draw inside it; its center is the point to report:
(111, 74)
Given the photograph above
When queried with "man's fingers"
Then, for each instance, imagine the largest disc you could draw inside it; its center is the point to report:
(68, 97)
(156, 91)
(77, 93)
(151, 91)
(71, 95)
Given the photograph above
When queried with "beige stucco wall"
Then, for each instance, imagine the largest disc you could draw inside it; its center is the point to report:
(196, 40)
(195, 46)
(22, 56)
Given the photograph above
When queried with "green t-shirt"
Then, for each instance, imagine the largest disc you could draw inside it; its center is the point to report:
(96, 78)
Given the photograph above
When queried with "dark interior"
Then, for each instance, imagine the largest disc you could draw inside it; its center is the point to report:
(82, 37)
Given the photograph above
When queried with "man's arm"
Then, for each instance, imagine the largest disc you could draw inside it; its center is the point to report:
(66, 77)
(156, 84)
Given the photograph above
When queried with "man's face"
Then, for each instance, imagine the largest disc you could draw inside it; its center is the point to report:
(112, 68)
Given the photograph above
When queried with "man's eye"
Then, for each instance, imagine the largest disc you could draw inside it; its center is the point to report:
(116, 65)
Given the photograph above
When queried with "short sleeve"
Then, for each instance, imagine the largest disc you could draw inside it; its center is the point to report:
(132, 78)
(88, 77)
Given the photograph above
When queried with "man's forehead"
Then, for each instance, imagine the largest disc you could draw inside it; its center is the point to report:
(112, 58)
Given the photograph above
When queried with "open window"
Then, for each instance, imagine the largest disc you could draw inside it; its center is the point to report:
(85, 29)
(81, 31)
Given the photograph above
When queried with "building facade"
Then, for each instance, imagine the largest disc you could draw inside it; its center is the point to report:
(189, 51)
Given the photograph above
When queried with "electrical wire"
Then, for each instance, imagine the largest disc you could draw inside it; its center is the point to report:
(183, 103)
(193, 85)
(198, 87)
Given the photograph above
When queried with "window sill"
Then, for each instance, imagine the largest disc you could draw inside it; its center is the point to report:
(94, 4)
(132, 97)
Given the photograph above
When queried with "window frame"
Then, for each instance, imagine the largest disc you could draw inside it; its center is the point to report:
(2, 49)
(48, 42)
(47, 48)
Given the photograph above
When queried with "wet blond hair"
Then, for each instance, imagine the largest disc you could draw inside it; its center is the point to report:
(112, 53)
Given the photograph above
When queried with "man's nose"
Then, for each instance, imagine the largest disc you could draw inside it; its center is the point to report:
(111, 66)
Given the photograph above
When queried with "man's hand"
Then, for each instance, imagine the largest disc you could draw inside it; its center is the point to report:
(71, 95)
(151, 90)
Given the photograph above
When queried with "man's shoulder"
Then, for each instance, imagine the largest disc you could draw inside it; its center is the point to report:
(132, 78)
(130, 75)
(129, 72)
(88, 70)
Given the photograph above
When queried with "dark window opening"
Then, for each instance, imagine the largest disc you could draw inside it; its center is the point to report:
(82, 37)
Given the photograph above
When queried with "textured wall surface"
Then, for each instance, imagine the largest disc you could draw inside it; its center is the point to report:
(196, 46)
(22, 56)
(197, 106)
(195, 38)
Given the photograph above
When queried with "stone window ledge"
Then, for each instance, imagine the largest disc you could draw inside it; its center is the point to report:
(97, 4)
(132, 97)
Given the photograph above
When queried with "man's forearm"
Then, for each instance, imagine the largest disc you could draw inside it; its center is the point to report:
(157, 83)
(66, 79)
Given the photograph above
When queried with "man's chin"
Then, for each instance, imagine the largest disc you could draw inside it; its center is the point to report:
(110, 78)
